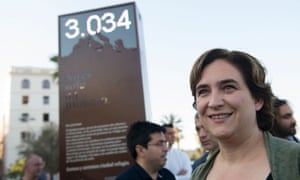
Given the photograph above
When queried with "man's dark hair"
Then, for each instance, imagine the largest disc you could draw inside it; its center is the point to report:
(140, 134)
(277, 103)
(168, 125)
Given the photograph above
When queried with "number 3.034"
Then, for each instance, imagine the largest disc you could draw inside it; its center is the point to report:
(94, 24)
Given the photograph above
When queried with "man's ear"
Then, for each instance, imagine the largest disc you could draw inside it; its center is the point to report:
(140, 150)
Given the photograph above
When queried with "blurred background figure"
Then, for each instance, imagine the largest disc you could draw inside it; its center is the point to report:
(208, 142)
(33, 168)
(178, 162)
(44, 176)
(284, 123)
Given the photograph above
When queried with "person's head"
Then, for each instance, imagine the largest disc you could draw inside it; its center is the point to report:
(207, 141)
(231, 85)
(284, 122)
(34, 166)
(170, 133)
(147, 143)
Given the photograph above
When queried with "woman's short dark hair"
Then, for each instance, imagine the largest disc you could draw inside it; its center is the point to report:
(254, 75)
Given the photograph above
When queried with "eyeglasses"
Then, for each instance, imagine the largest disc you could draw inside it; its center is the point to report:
(160, 144)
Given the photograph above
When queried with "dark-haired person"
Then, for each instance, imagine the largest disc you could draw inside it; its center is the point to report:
(148, 146)
(284, 122)
(178, 162)
(234, 102)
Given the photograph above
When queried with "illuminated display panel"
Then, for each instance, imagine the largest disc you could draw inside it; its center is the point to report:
(112, 22)
(103, 89)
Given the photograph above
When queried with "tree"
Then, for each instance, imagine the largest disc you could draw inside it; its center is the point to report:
(55, 60)
(45, 145)
(176, 122)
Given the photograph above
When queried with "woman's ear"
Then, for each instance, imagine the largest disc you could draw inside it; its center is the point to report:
(259, 104)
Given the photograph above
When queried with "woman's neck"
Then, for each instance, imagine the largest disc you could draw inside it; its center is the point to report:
(244, 148)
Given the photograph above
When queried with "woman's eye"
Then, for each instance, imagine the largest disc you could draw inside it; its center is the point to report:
(202, 92)
(229, 88)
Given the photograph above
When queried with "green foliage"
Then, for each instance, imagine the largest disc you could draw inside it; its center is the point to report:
(55, 59)
(176, 122)
(171, 119)
(45, 145)
(16, 169)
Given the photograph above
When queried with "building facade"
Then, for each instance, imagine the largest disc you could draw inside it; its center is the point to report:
(33, 103)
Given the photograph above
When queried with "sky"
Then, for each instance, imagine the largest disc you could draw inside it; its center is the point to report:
(176, 33)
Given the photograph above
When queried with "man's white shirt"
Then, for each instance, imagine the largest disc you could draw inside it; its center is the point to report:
(178, 160)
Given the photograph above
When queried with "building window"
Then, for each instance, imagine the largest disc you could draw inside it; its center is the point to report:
(25, 84)
(46, 84)
(46, 117)
(25, 100)
(46, 100)
(24, 117)
(25, 135)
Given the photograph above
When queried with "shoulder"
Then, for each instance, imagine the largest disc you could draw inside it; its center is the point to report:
(127, 173)
(283, 145)
(203, 157)
(199, 161)
(203, 169)
(131, 172)
(284, 156)
(199, 171)
(166, 174)
(293, 139)
(281, 149)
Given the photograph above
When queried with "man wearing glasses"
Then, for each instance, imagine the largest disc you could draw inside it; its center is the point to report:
(148, 146)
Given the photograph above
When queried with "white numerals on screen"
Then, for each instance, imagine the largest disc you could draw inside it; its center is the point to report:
(95, 24)
(73, 27)
(109, 19)
(93, 19)
(124, 20)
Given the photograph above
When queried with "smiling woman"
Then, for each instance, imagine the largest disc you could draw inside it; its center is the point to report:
(234, 102)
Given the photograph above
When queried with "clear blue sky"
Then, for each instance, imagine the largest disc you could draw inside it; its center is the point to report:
(175, 33)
